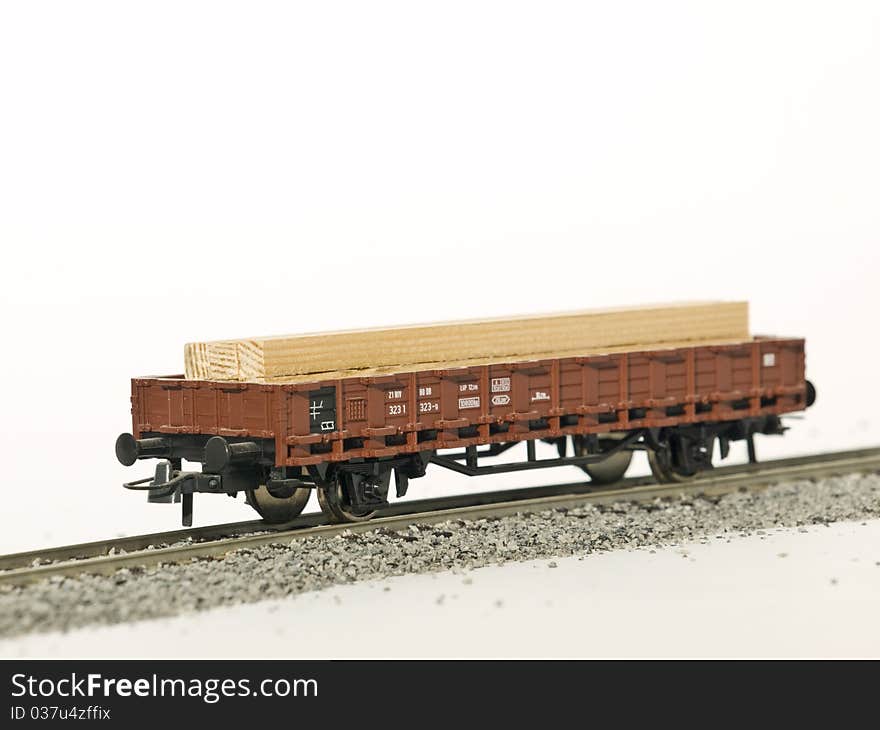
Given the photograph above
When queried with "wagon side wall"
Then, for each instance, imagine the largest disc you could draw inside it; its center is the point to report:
(177, 406)
(374, 417)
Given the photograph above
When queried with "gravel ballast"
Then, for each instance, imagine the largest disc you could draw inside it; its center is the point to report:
(310, 564)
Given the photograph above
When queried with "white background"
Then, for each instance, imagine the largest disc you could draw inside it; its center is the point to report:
(173, 171)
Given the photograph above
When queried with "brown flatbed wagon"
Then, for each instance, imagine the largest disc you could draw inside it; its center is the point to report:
(346, 436)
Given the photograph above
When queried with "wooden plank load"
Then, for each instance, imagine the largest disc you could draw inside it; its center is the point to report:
(417, 347)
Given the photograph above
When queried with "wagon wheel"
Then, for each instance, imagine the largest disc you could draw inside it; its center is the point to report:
(663, 471)
(277, 510)
(608, 470)
(336, 505)
(666, 468)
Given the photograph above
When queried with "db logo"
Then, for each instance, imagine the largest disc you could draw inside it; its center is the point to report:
(500, 400)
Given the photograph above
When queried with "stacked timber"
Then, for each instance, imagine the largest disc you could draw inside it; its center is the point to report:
(292, 358)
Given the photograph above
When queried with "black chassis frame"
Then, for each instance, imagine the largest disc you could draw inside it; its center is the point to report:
(366, 481)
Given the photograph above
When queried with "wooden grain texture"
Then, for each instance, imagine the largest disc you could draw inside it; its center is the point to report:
(503, 360)
(262, 359)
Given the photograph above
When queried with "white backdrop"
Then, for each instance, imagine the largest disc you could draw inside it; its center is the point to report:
(188, 170)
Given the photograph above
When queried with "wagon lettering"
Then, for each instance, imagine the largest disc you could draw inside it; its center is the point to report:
(500, 400)
(500, 385)
(540, 395)
(322, 410)
(465, 403)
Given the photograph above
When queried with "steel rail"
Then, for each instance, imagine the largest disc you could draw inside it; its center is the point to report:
(215, 541)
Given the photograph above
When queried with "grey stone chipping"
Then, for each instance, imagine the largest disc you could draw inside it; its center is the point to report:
(285, 569)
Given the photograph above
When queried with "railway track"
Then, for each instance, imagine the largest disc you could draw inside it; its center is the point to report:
(107, 556)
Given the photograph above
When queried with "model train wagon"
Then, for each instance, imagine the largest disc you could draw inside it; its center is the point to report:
(347, 437)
